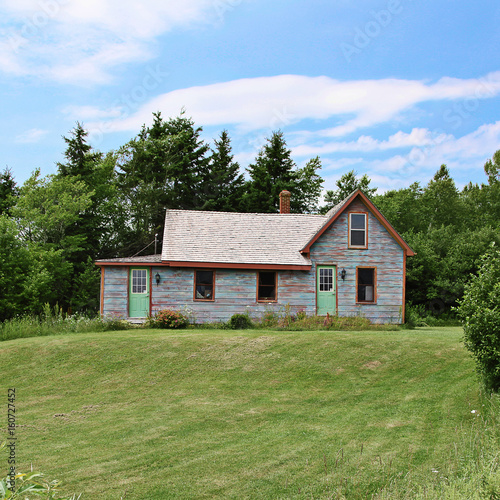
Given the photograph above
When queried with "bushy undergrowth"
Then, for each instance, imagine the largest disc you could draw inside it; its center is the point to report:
(240, 322)
(284, 319)
(418, 316)
(167, 318)
(55, 322)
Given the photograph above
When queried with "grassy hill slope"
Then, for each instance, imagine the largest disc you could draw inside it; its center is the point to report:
(250, 414)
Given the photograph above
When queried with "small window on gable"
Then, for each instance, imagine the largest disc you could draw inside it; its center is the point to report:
(366, 284)
(266, 286)
(204, 285)
(357, 230)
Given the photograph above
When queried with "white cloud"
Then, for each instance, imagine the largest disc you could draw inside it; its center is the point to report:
(80, 42)
(31, 136)
(275, 102)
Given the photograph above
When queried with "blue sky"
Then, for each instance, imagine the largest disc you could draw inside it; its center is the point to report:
(390, 88)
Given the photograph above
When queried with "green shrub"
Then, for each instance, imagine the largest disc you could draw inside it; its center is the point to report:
(479, 311)
(240, 322)
(167, 318)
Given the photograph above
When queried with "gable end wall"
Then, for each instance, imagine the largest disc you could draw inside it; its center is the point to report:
(383, 253)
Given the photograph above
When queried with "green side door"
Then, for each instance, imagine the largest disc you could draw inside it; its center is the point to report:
(139, 293)
(326, 290)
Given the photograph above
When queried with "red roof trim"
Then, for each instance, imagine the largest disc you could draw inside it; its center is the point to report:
(212, 265)
(374, 210)
(103, 263)
(224, 265)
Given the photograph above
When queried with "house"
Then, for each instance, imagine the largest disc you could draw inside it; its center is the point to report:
(350, 261)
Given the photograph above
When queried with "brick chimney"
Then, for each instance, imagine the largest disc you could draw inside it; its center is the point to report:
(285, 202)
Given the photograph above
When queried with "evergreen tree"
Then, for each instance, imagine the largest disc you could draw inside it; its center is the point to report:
(223, 186)
(8, 191)
(81, 159)
(163, 167)
(274, 171)
(307, 191)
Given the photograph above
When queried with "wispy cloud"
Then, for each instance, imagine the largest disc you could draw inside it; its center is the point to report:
(272, 102)
(31, 136)
(81, 42)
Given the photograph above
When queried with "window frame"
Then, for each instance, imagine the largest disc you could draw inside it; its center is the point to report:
(374, 301)
(275, 287)
(195, 282)
(350, 230)
(142, 283)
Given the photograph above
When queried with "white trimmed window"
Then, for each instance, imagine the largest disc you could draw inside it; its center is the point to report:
(358, 234)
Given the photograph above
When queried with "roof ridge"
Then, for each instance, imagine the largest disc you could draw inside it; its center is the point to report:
(274, 214)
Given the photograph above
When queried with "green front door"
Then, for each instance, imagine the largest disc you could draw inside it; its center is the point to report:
(139, 293)
(326, 290)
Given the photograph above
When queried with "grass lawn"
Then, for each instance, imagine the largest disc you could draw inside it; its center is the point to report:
(152, 414)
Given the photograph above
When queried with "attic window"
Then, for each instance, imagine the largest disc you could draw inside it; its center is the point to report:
(358, 230)
(204, 285)
(266, 286)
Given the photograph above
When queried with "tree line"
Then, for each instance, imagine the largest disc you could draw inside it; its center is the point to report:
(105, 205)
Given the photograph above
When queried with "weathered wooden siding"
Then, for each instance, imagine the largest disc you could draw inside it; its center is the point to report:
(115, 296)
(235, 292)
(383, 253)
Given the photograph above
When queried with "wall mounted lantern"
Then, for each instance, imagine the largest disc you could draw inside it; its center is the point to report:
(157, 277)
(343, 274)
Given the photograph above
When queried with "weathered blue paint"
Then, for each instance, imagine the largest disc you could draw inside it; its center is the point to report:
(115, 293)
(383, 252)
(235, 290)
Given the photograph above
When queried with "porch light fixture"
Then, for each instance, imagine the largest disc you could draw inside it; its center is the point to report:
(343, 274)
(157, 278)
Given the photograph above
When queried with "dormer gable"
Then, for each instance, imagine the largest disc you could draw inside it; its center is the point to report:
(358, 230)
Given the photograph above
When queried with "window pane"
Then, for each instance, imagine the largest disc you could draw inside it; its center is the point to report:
(358, 221)
(365, 276)
(366, 285)
(204, 277)
(266, 293)
(204, 292)
(267, 278)
(204, 285)
(358, 238)
(267, 286)
(139, 281)
(325, 280)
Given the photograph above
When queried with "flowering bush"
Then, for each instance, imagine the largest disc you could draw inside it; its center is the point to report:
(167, 318)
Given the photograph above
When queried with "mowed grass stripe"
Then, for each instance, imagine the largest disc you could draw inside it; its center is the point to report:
(249, 414)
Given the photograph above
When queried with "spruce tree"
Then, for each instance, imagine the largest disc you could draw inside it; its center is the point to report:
(224, 184)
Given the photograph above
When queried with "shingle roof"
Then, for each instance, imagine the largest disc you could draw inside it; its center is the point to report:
(143, 259)
(231, 238)
(238, 238)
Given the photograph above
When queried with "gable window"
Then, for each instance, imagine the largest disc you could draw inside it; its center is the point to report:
(204, 285)
(357, 230)
(266, 286)
(366, 278)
